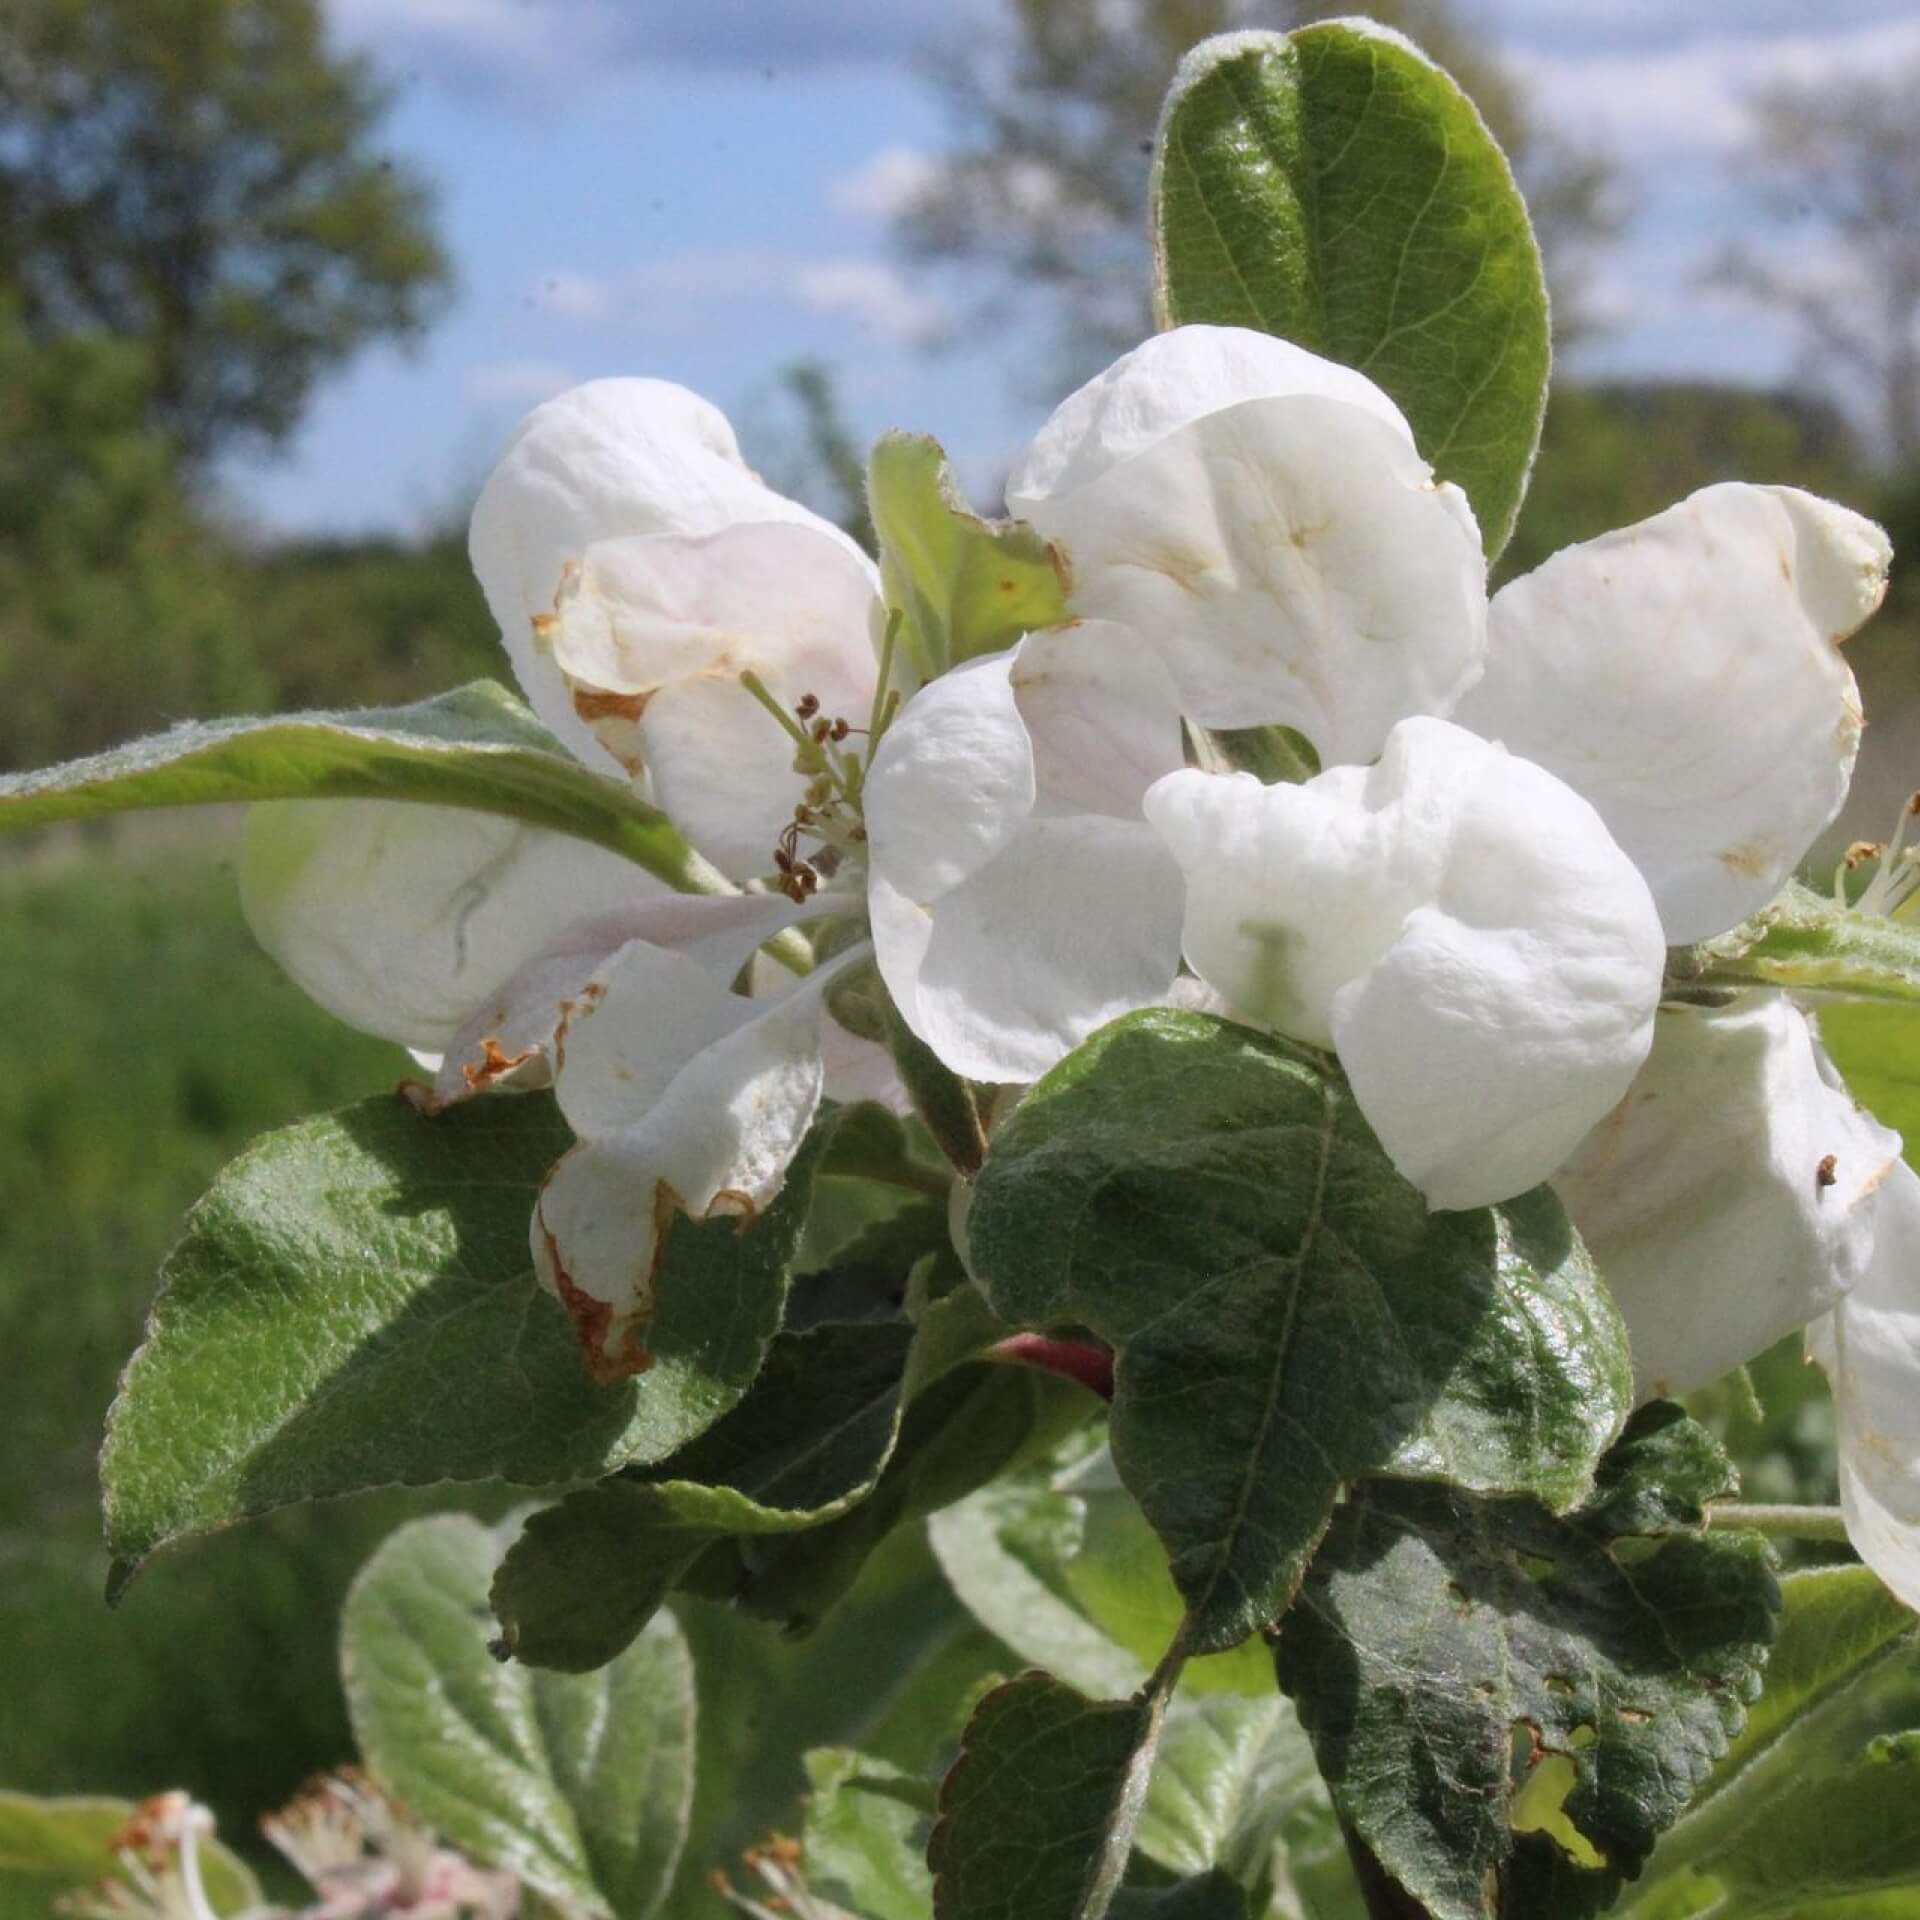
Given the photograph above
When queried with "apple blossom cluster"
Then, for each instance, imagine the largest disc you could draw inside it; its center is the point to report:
(1524, 803)
(362, 1854)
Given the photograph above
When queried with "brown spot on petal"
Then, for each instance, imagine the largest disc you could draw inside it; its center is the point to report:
(1750, 859)
(612, 1349)
(584, 1002)
(495, 1064)
(591, 704)
(1826, 1174)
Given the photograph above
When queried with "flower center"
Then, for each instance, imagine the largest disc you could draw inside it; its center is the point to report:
(1897, 874)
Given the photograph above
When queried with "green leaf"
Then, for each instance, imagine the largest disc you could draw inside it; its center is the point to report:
(1334, 187)
(1207, 1896)
(851, 1431)
(1840, 1633)
(810, 1440)
(581, 1785)
(1038, 1813)
(49, 1847)
(1846, 1836)
(1877, 1049)
(353, 1305)
(864, 1844)
(475, 747)
(1256, 1238)
(1501, 1697)
(964, 585)
(1064, 1568)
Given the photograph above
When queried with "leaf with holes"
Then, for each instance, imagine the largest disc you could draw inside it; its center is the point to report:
(1334, 187)
(1250, 1255)
(579, 1784)
(353, 1306)
(1500, 1698)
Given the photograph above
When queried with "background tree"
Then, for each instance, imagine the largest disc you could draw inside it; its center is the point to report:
(1045, 185)
(201, 177)
(1838, 169)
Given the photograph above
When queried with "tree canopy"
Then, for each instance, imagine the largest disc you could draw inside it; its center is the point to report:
(203, 178)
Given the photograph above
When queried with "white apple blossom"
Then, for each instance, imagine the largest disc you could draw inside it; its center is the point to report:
(680, 624)
(1262, 514)
(1479, 934)
(1018, 898)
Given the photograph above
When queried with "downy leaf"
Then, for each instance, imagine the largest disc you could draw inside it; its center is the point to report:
(353, 1305)
(1334, 187)
(474, 747)
(579, 1784)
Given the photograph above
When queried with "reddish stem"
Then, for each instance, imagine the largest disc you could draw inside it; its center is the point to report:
(1084, 1361)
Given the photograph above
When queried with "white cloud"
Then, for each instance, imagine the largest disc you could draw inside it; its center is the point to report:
(886, 184)
(873, 296)
(870, 293)
(525, 382)
(1689, 98)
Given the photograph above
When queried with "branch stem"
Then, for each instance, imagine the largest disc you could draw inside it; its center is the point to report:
(1781, 1522)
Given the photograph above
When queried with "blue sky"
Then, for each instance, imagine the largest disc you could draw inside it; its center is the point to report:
(699, 189)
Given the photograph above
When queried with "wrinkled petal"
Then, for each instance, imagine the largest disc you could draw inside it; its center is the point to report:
(688, 1099)
(1723, 1197)
(1455, 922)
(718, 1141)
(1169, 381)
(1869, 1346)
(1018, 899)
(1685, 675)
(1075, 923)
(610, 458)
(1289, 554)
(402, 919)
(512, 1038)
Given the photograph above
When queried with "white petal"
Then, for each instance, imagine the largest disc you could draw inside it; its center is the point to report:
(1102, 716)
(952, 780)
(1164, 384)
(1702, 1196)
(1870, 1346)
(718, 1142)
(1017, 898)
(643, 611)
(1454, 921)
(1295, 564)
(609, 458)
(404, 919)
(1075, 922)
(511, 1038)
(1685, 675)
(650, 1008)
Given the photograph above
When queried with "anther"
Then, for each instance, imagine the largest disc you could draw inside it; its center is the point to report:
(808, 706)
(1827, 1173)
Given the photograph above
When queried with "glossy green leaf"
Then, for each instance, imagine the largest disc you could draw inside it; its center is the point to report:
(1038, 1813)
(1502, 1699)
(353, 1305)
(51, 1847)
(864, 1842)
(1335, 187)
(850, 1431)
(1255, 1238)
(963, 585)
(579, 1784)
(475, 747)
